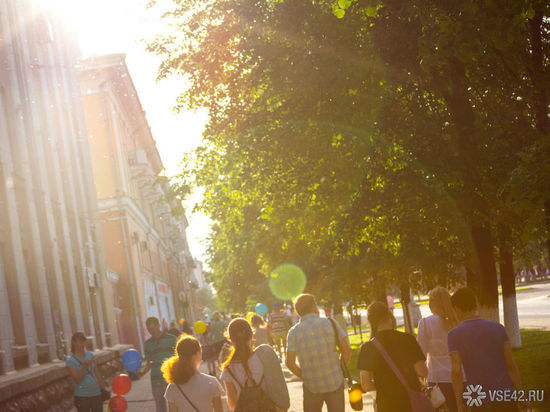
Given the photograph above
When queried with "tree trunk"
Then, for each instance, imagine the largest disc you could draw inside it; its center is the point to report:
(457, 96)
(488, 283)
(541, 98)
(380, 289)
(405, 292)
(547, 214)
(509, 303)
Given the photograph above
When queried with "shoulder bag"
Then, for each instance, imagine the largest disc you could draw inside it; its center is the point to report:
(419, 401)
(355, 392)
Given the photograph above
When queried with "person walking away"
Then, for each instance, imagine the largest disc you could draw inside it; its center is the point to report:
(188, 389)
(159, 347)
(88, 381)
(174, 329)
(338, 316)
(432, 338)
(312, 342)
(244, 374)
(261, 334)
(279, 324)
(483, 349)
(390, 302)
(217, 340)
(377, 375)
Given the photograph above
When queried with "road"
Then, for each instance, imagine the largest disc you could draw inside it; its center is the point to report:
(533, 307)
(140, 397)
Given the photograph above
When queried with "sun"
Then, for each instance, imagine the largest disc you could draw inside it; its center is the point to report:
(101, 26)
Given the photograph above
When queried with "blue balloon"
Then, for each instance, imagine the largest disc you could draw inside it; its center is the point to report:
(131, 360)
(261, 309)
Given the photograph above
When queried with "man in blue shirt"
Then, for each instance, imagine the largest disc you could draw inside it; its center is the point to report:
(313, 342)
(482, 348)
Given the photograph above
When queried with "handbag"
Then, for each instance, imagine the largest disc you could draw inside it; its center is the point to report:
(437, 398)
(105, 395)
(355, 392)
(419, 400)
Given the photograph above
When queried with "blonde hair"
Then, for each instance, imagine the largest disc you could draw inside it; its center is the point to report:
(179, 368)
(440, 304)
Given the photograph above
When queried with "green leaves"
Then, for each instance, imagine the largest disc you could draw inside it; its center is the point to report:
(353, 148)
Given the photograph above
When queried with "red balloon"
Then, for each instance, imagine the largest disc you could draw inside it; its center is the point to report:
(121, 384)
(118, 403)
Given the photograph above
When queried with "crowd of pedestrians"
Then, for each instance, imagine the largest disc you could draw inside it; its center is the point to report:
(454, 348)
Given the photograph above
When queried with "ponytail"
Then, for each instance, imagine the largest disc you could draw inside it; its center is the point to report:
(180, 368)
(378, 312)
(240, 334)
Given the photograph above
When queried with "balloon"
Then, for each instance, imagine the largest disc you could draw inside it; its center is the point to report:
(118, 403)
(121, 384)
(249, 316)
(261, 309)
(131, 359)
(200, 327)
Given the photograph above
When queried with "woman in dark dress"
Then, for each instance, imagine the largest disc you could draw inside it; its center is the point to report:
(376, 374)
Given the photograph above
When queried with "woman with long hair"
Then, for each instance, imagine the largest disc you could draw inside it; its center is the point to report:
(261, 334)
(248, 367)
(432, 337)
(403, 350)
(188, 389)
(88, 381)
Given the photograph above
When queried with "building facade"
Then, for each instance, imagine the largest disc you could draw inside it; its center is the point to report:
(53, 273)
(142, 222)
(52, 260)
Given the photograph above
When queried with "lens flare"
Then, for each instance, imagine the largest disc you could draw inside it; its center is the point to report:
(287, 281)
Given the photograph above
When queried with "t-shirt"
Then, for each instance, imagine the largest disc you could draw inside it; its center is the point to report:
(216, 331)
(280, 323)
(157, 351)
(89, 385)
(480, 344)
(201, 389)
(261, 336)
(405, 352)
(256, 369)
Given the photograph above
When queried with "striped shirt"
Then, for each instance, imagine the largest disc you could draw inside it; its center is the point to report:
(314, 342)
(158, 351)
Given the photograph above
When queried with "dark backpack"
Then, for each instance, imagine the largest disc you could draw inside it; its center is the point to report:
(252, 397)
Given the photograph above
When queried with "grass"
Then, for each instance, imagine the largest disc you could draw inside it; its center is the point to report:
(533, 361)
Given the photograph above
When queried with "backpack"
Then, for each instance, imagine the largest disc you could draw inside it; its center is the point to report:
(252, 397)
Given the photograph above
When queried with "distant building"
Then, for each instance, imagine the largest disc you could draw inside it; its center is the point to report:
(143, 227)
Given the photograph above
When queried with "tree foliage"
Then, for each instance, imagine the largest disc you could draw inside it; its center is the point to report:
(392, 140)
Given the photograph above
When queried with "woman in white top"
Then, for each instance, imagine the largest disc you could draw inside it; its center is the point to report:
(245, 366)
(188, 389)
(432, 337)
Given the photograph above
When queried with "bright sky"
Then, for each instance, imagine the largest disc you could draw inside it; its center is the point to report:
(120, 26)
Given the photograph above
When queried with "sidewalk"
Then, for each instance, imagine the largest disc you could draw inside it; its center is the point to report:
(140, 397)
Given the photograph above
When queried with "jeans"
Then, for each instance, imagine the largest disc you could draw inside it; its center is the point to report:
(336, 401)
(88, 403)
(158, 395)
